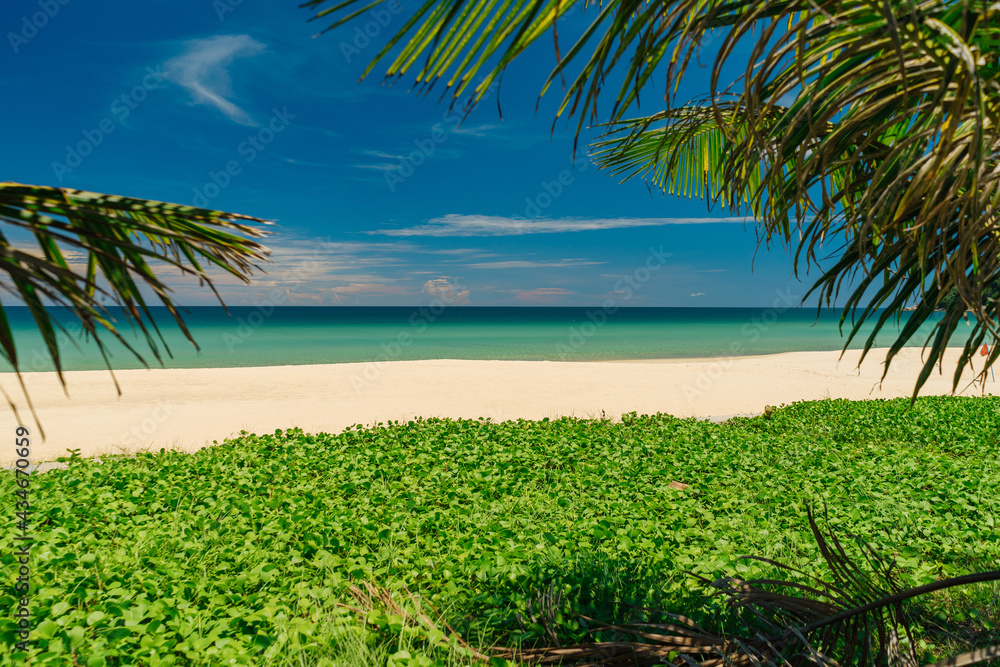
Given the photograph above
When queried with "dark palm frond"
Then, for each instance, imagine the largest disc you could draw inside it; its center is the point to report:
(453, 41)
(94, 250)
(855, 618)
(887, 159)
(685, 152)
(867, 128)
(455, 38)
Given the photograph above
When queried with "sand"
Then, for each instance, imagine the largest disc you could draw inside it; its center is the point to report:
(191, 408)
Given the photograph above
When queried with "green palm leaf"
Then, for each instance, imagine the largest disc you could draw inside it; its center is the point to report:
(94, 249)
(864, 132)
(682, 152)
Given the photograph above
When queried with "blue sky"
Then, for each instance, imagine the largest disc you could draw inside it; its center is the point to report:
(380, 196)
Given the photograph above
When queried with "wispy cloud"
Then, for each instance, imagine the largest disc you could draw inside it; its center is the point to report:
(525, 264)
(486, 225)
(203, 69)
(465, 253)
(383, 154)
(381, 166)
(543, 295)
(407, 161)
(476, 131)
(698, 294)
(369, 288)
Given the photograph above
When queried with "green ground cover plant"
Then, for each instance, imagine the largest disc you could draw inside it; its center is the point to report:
(239, 553)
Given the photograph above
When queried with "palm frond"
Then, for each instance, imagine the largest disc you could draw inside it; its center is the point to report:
(454, 39)
(856, 617)
(94, 249)
(886, 160)
(682, 152)
(860, 129)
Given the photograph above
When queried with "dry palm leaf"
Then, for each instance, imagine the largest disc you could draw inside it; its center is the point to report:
(856, 619)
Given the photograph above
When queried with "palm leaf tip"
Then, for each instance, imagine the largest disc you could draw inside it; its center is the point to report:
(121, 240)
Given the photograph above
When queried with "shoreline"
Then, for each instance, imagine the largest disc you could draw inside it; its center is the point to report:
(188, 409)
(872, 354)
(616, 360)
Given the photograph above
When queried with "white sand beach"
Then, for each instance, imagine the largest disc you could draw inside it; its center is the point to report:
(191, 408)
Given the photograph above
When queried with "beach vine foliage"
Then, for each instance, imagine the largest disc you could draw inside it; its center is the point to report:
(863, 132)
(94, 255)
(240, 553)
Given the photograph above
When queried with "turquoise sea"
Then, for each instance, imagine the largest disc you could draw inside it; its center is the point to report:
(251, 336)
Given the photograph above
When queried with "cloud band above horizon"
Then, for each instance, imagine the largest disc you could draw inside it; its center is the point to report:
(486, 225)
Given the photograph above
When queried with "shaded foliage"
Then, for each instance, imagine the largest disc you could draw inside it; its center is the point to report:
(858, 618)
(990, 293)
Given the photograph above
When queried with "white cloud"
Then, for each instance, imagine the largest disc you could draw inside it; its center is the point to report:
(450, 293)
(698, 294)
(486, 225)
(524, 264)
(202, 68)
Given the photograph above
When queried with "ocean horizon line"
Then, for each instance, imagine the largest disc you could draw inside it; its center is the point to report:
(183, 308)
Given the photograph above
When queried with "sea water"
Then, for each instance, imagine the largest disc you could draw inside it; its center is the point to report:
(250, 336)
